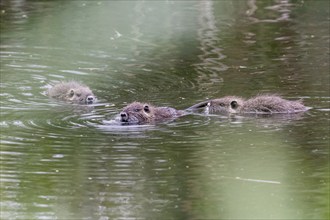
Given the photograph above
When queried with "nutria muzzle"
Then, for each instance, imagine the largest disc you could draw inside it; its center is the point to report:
(90, 99)
(123, 117)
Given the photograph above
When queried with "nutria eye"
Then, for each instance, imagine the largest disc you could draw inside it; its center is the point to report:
(222, 104)
(71, 93)
(146, 108)
(234, 104)
(137, 110)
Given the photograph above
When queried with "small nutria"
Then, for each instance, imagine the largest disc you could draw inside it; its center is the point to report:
(73, 92)
(261, 104)
(143, 113)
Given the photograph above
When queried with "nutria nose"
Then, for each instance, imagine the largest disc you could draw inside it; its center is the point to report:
(90, 99)
(123, 116)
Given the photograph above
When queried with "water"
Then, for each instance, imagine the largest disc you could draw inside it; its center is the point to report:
(60, 161)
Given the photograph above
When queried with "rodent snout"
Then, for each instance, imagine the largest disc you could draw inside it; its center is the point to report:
(124, 116)
(90, 99)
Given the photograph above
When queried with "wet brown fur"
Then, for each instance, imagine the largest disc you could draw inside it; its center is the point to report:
(144, 113)
(73, 92)
(261, 104)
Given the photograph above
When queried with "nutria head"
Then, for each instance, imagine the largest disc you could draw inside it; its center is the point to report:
(81, 95)
(73, 92)
(137, 113)
(228, 104)
(225, 105)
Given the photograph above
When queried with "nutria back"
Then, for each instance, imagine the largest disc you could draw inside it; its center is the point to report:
(261, 104)
(269, 104)
(144, 113)
(73, 92)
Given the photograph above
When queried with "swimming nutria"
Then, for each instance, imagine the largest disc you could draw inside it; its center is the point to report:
(73, 92)
(261, 104)
(143, 113)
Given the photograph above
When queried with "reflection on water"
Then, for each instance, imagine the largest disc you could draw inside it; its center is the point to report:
(282, 7)
(208, 36)
(62, 161)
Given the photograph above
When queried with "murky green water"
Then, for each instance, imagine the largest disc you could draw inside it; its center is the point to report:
(63, 162)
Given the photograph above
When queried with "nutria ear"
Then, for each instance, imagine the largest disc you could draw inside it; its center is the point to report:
(71, 92)
(234, 104)
(146, 108)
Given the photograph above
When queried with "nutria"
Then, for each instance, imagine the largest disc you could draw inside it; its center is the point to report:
(73, 92)
(261, 104)
(144, 113)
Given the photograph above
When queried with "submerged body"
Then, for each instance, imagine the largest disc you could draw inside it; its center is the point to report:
(262, 104)
(73, 92)
(143, 113)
